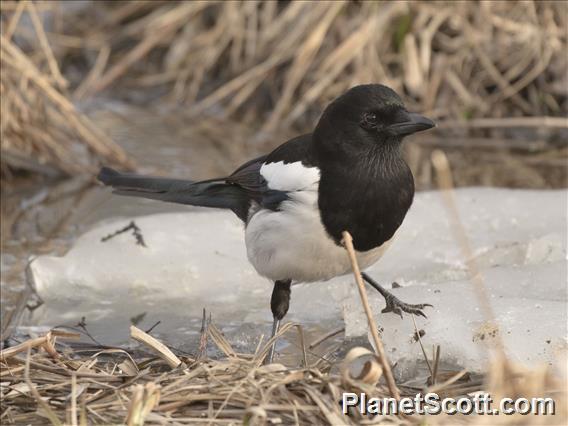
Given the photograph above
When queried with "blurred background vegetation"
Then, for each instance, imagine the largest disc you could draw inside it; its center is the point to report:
(193, 88)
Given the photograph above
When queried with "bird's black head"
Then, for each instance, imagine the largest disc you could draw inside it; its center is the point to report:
(366, 117)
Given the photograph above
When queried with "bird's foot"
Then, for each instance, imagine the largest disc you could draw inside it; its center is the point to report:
(395, 305)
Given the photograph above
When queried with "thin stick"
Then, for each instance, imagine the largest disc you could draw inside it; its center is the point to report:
(303, 344)
(422, 346)
(323, 338)
(348, 242)
(33, 343)
(203, 338)
(436, 363)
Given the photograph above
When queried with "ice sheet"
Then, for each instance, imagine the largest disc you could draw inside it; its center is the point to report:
(197, 259)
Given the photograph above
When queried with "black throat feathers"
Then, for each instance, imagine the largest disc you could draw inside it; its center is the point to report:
(366, 193)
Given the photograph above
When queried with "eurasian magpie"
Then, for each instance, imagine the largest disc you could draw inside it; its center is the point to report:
(348, 175)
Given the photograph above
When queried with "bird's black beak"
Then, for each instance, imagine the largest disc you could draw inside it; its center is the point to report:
(414, 123)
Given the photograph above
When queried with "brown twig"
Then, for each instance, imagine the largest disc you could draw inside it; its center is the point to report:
(202, 352)
(74, 421)
(348, 242)
(437, 351)
(130, 227)
(419, 338)
(6, 354)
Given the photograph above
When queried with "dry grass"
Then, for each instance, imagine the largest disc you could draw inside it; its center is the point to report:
(284, 62)
(115, 387)
(41, 129)
(54, 384)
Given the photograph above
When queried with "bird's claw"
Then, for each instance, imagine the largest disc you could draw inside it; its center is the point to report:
(396, 306)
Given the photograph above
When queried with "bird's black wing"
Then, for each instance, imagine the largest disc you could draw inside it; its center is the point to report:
(249, 178)
(210, 193)
(235, 192)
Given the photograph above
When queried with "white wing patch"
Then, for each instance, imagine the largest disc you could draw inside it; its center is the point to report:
(290, 177)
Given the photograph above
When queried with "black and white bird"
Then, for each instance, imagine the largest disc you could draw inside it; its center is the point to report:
(348, 175)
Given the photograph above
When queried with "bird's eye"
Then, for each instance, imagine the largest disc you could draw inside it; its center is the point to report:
(369, 120)
(371, 117)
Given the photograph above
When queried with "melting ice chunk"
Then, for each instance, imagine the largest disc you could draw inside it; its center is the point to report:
(198, 259)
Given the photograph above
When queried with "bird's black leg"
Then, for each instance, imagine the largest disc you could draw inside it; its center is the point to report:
(393, 303)
(279, 304)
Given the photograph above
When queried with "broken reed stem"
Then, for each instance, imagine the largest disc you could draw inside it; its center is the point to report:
(37, 342)
(303, 344)
(436, 361)
(163, 351)
(445, 183)
(348, 242)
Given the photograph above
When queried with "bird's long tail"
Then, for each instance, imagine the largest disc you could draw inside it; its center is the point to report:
(211, 193)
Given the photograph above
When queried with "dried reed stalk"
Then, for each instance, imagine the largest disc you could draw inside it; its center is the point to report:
(348, 242)
(162, 350)
(273, 66)
(41, 130)
(442, 166)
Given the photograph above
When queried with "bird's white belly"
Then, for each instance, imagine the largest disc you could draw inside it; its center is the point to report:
(292, 243)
